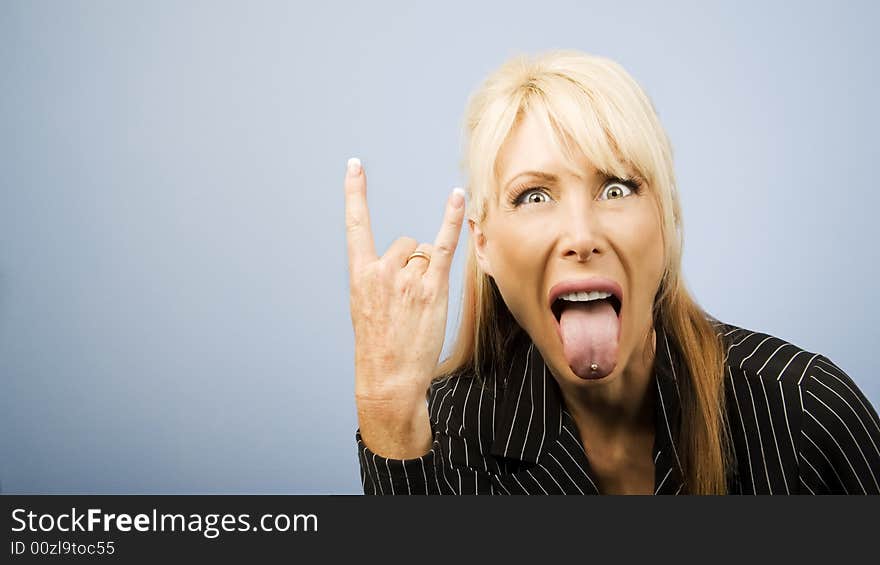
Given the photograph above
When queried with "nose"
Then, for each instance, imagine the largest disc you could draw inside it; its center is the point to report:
(580, 234)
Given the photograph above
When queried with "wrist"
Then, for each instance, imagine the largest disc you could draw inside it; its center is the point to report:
(396, 433)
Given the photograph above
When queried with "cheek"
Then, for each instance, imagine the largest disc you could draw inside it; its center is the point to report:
(518, 265)
(645, 241)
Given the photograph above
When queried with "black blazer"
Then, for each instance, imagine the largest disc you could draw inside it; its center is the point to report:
(799, 425)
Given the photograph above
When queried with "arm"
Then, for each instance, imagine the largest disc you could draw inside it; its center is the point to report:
(840, 434)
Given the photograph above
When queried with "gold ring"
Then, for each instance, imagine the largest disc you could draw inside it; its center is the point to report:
(421, 254)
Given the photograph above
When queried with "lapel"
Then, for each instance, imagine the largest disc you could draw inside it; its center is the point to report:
(667, 416)
(533, 420)
(531, 406)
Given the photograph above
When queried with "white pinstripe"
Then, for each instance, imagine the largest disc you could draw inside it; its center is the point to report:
(405, 474)
(864, 408)
(785, 416)
(561, 490)
(773, 429)
(424, 474)
(500, 484)
(737, 344)
(745, 432)
(825, 457)
(758, 431)
(810, 362)
(480, 427)
(440, 408)
(771, 357)
(454, 388)
(573, 460)
(467, 397)
(529, 473)
(566, 473)
(660, 486)
(818, 474)
(516, 409)
(843, 422)
(753, 351)
(363, 474)
(494, 400)
(672, 366)
(668, 429)
(520, 484)
(842, 451)
(782, 372)
(808, 486)
(378, 477)
(437, 388)
(543, 411)
(531, 405)
(443, 468)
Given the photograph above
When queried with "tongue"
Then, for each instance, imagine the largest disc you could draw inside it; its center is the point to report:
(589, 333)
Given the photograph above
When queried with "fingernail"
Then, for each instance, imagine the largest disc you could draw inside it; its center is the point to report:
(458, 197)
(354, 166)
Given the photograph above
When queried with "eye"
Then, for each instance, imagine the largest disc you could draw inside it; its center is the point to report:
(534, 195)
(618, 188)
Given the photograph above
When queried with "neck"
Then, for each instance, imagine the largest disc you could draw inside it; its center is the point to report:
(623, 406)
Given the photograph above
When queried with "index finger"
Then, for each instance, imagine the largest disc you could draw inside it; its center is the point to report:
(447, 237)
(357, 217)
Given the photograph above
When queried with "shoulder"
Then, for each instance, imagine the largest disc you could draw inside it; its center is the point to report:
(835, 410)
(752, 356)
(834, 423)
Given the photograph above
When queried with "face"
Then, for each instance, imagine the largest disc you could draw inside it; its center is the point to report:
(573, 225)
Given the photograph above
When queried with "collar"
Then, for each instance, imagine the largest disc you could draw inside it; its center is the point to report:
(531, 408)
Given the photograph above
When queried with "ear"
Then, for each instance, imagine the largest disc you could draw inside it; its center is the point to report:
(480, 247)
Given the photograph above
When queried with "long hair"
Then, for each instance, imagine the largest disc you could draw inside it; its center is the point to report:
(592, 106)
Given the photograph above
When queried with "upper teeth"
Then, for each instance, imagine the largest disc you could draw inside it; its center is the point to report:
(585, 296)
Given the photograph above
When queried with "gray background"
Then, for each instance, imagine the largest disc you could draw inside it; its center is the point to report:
(173, 286)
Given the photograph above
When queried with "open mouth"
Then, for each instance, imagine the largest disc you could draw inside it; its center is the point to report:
(565, 301)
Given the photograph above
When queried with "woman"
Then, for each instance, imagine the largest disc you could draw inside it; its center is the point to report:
(582, 364)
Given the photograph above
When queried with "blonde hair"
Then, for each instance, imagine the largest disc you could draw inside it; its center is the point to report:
(593, 107)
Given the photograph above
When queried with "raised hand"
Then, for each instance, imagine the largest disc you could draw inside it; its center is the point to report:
(399, 305)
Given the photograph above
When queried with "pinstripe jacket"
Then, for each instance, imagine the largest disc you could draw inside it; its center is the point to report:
(799, 425)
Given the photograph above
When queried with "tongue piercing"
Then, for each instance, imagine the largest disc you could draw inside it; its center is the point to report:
(594, 367)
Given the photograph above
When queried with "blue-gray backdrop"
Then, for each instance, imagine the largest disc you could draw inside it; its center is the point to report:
(173, 286)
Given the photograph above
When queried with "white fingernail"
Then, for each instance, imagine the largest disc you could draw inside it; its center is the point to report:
(458, 197)
(354, 166)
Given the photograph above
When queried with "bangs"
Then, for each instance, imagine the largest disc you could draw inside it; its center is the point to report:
(584, 124)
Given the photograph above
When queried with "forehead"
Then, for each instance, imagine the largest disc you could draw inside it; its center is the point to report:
(531, 147)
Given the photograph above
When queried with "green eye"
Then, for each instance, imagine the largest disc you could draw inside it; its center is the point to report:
(533, 195)
(536, 197)
(618, 188)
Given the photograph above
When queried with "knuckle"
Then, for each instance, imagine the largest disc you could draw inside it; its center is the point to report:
(428, 294)
(384, 268)
(353, 223)
(405, 281)
(443, 249)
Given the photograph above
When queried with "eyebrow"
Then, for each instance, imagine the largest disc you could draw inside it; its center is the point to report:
(548, 177)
